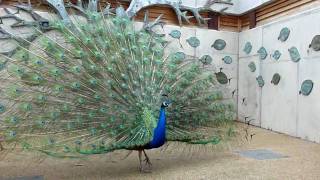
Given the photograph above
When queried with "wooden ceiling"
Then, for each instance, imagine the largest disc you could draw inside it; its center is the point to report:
(225, 22)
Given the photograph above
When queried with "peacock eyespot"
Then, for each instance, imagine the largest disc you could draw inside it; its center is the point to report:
(2, 108)
(78, 142)
(51, 141)
(103, 110)
(97, 97)
(59, 88)
(91, 114)
(14, 120)
(39, 62)
(2, 66)
(41, 98)
(65, 108)
(81, 100)
(93, 82)
(54, 115)
(76, 69)
(12, 133)
(76, 85)
(66, 149)
(26, 107)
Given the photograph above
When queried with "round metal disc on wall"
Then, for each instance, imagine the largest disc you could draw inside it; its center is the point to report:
(222, 78)
(260, 81)
(306, 87)
(315, 44)
(206, 59)
(284, 34)
(276, 79)
(219, 44)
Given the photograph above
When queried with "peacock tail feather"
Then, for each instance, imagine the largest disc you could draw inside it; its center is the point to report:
(99, 88)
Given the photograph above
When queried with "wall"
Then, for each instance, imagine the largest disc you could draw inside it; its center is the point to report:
(281, 108)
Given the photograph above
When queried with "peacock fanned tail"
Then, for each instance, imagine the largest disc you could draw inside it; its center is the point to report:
(98, 88)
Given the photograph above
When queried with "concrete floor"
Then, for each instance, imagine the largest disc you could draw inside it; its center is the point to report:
(302, 163)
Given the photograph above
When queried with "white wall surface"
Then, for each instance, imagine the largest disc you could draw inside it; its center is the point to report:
(281, 108)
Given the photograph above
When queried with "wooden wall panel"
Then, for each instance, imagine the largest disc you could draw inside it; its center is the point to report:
(273, 10)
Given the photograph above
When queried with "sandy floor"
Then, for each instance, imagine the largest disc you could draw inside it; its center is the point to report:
(303, 162)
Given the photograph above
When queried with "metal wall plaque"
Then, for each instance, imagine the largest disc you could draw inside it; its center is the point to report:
(276, 79)
(219, 44)
(222, 77)
(252, 66)
(206, 59)
(315, 44)
(227, 60)
(179, 56)
(284, 34)
(306, 87)
(262, 53)
(276, 55)
(193, 42)
(294, 54)
(247, 48)
(260, 81)
(175, 34)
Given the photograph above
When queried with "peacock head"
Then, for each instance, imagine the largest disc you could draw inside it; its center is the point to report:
(166, 101)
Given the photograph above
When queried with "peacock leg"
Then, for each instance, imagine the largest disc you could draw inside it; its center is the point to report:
(147, 160)
(140, 161)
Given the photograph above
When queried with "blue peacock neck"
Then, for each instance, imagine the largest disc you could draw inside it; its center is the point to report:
(159, 133)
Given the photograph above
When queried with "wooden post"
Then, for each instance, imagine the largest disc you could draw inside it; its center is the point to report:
(252, 19)
(239, 24)
(213, 23)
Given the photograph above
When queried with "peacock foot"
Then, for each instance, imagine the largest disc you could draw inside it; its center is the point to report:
(147, 166)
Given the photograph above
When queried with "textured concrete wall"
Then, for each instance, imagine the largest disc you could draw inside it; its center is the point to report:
(281, 108)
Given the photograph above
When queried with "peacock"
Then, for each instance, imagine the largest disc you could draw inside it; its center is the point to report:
(103, 86)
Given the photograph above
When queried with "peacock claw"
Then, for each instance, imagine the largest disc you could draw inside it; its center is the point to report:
(146, 168)
(148, 162)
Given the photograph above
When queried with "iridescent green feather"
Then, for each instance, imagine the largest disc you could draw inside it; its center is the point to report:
(100, 89)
